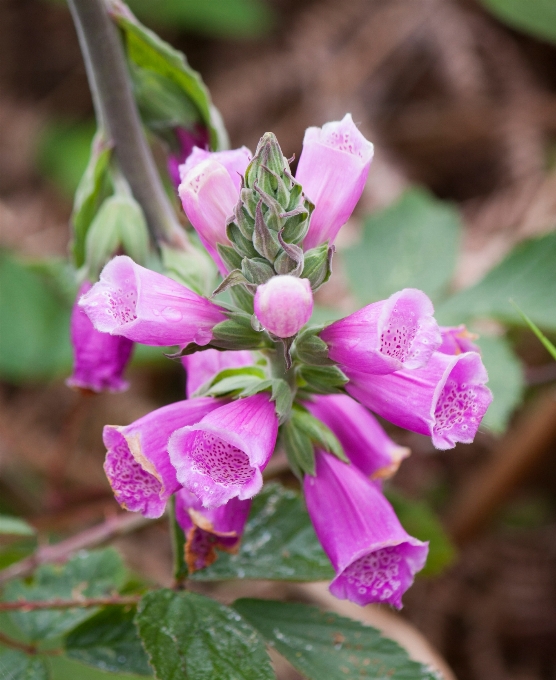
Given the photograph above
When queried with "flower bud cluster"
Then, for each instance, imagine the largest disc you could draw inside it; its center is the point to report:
(258, 374)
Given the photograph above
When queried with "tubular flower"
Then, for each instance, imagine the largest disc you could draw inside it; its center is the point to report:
(137, 462)
(364, 441)
(203, 366)
(99, 359)
(446, 400)
(332, 169)
(209, 191)
(223, 455)
(386, 336)
(457, 339)
(147, 307)
(284, 304)
(375, 560)
(205, 530)
(189, 141)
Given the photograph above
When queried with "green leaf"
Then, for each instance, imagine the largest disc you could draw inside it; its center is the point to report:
(527, 276)
(15, 526)
(225, 18)
(321, 379)
(64, 668)
(324, 645)
(320, 434)
(310, 349)
(88, 574)
(505, 380)
(109, 641)
(299, 449)
(34, 342)
(190, 637)
(146, 50)
(537, 17)
(411, 244)
(550, 348)
(279, 543)
(16, 665)
(419, 520)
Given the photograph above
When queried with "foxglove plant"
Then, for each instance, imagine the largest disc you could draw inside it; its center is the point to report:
(257, 373)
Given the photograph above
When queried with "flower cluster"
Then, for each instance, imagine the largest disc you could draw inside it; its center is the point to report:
(257, 374)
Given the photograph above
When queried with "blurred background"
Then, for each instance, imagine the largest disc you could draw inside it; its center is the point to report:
(459, 97)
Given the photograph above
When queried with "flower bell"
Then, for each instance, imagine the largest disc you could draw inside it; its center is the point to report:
(202, 366)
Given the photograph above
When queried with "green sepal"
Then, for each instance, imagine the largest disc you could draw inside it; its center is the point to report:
(319, 434)
(318, 265)
(243, 298)
(321, 379)
(242, 245)
(281, 396)
(244, 221)
(231, 258)
(237, 333)
(265, 241)
(310, 349)
(257, 270)
(234, 278)
(299, 450)
(291, 260)
(231, 380)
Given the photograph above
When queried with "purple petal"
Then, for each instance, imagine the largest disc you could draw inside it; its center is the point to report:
(445, 400)
(386, 336)
(189, 140)
(284, 304)
(332, 169)
(147, 307)
(137, 462)
(364, 441)
(99, 359)
(374, 558)
(206, 529)
(457, 339)
(235, 161)
(202, 366)
(223, 455)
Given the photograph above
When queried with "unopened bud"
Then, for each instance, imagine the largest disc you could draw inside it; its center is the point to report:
(284, 304)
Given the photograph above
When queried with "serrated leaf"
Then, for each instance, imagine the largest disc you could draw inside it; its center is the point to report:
(109, 640)
(321, 379)
(16, 665)
(88, 574)
(536, 17)
(411, 244)
(527, 276)
(15, 526)
(279, 543)
(191, 637)
(324, 645)
(419, 520)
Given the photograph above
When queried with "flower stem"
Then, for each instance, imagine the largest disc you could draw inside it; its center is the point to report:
(117, 113)
(83, 603)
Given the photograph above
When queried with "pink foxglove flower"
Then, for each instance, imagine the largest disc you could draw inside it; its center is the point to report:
(457, 339)
(209, 191)
(386, 336)
(147, 307)
(332, 169)
(284, 304)
(375, 560)
(202, 366)
(364, 441)
(446, 400)
(223, 455)
(189, 140)
(99, 359)
(137, 462)
(205, 530)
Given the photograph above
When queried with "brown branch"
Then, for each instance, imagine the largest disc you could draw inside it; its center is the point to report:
(59, 552)
(16, 644)
(83, 603)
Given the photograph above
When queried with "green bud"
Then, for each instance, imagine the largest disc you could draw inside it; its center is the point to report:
(310, 349)
(229, 256)
(257, 270)
(318, 265)
(242, 245)
(237, 333)
(265, 241)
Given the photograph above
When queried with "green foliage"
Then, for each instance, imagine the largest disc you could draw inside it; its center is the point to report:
(527, 276)
(278, 543)
(411, 244)
(16, 665)
(550, 348)
(191, 637)
(88, 574)
(64, 668)
(324, 645)
(109, 641)
(537, 17)
(15, 526)
(419, 520)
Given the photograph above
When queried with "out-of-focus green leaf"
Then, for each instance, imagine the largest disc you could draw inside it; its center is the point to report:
(190, 637)
(419, 520)
(537, 17)
(505, 380)
(411, 244)
(68, 669)
(109, 641)
(88, 574)
(15, 526)
(278, 543)
(527, 276)
(34, 340)
(323, 645)
(550, 348)
(63, 153)
(226, 18)
(16, 665)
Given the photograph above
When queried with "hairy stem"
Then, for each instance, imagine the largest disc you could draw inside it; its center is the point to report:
(33, 605)
(110, 84)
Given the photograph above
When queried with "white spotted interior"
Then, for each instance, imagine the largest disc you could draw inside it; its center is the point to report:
(397, 338)
(222, 462)
(122, 301)
(378, 575)
(457, 408)
(131, 484)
